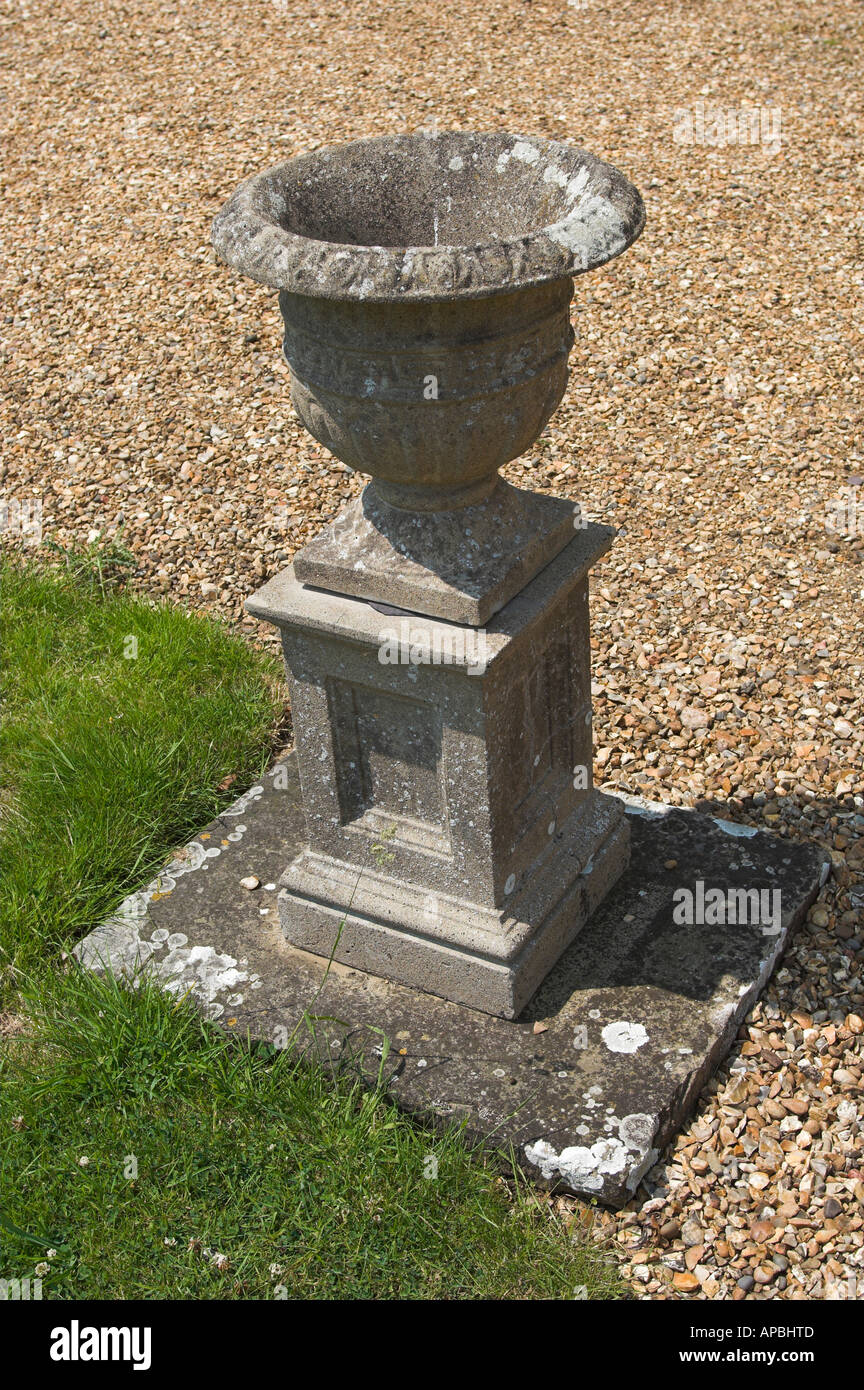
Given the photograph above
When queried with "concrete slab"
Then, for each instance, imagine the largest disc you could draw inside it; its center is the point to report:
(635, 1016)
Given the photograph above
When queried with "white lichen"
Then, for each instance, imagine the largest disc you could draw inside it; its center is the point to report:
(582, 1167)
(528, 154)
(623, 1036)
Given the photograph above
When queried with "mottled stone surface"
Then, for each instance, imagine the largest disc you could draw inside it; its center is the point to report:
(430, 399)
(455, 841)
(489, 958)
(463, 564)
(425, 286)
(428, 216)
(636, 1014)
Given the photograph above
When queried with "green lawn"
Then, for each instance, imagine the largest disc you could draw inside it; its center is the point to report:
(120, 720)
(143, 1153)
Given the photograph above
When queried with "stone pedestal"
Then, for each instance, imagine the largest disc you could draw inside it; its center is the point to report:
(455, 840)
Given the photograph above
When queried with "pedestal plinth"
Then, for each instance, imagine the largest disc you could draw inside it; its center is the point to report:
(455, 840)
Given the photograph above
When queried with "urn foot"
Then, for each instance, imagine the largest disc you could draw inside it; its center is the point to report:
(462, 565)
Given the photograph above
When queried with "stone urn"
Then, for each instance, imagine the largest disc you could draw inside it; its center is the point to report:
(436, 633)
(425, 286)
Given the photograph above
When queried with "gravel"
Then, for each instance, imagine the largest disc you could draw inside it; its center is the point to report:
(714, 416)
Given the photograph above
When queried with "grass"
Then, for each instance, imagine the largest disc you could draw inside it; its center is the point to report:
(310, 1188)
(144, 1153)
(120, 721)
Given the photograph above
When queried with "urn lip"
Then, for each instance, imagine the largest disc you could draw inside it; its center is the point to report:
(442, 216)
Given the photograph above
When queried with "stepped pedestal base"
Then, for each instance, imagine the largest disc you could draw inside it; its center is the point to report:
(455, 841)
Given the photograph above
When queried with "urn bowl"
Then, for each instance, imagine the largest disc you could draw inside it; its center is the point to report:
(425, 284)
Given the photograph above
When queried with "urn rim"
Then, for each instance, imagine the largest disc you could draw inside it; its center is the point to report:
(309, 225)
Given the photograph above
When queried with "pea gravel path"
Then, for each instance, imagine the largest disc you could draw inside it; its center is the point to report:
(714, 415)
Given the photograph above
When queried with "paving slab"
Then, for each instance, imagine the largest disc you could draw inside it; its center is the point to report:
(631, 1022)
